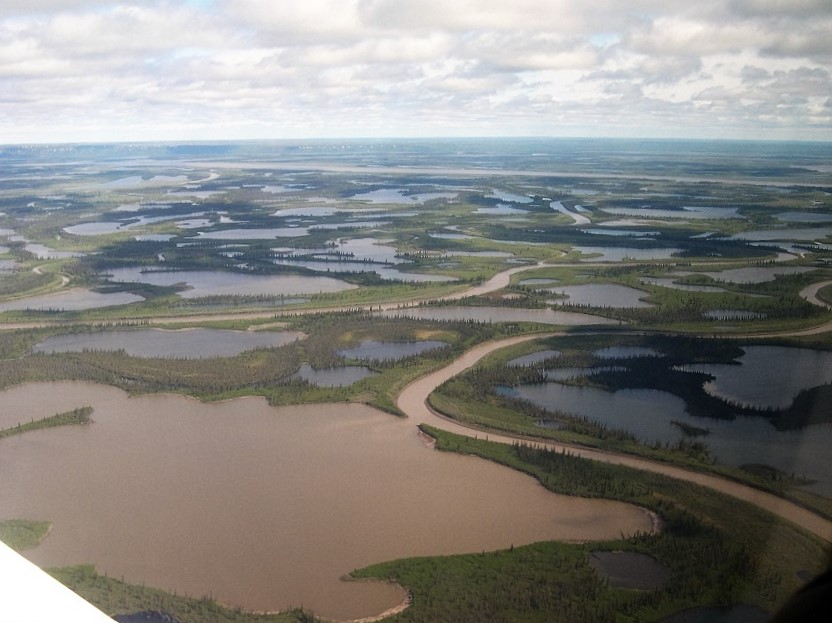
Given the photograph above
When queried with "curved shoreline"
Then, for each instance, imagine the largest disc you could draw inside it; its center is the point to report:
(810, 293)
(413, 402)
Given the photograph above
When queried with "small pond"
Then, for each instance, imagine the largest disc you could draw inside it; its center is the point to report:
(253, 233)
(622, 254)
(42, 252)
(768, 376)
(804, 217)
(382, 270)
(451, 236)
(739, 613)
(685, 212)
(503, 195)
(76, 299)
(96, 228)
(621, 233)
(351, 225)
(386, 195)
(647, 414)
(185, 343)
(340, 376)
(390, 351)
(625, 352)
(537, 281)
(774, 235)
(534, 358)
(601, 295)
(670, 282)
(216, 283)
(496, 314)
(630, 570)
(756, 274)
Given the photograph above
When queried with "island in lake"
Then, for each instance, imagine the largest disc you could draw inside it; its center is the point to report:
(483, 380)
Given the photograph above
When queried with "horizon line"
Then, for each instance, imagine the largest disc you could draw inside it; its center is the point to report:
(391, 138)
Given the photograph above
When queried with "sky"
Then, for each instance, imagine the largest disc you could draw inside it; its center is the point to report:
(182, 70)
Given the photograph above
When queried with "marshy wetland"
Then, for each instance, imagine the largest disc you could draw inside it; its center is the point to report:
(246, 325)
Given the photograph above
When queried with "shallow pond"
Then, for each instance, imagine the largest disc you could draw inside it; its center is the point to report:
(215, 282)
(601, 295)
(629, 570)
(253, 233)
(42, 252)
(739, 613)
(390, 351)
(76, 299)
(625, 352)
(537, 281)
(623, 233)
(186, 343)
(623, 254)
(386, 195)
(804, 217)
(756, 274)
(265, 507)
(339, 376)
(382, 270)
(497, 314)
(353, 249)
(350, 225)
(774, 235)
(685, 212)
(647, 414)
(503, 195)
(96, 228)
(533, 358)
(670, 282)
(768, 376)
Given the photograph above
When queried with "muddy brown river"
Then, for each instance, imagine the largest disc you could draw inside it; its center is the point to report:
(262, 507)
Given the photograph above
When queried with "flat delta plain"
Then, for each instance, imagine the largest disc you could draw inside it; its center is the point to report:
(419, 380)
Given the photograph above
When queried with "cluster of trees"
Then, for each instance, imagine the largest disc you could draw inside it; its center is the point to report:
(81, 415)
(719, 554)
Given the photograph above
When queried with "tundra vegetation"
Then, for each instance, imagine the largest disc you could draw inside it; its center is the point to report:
(678, 239)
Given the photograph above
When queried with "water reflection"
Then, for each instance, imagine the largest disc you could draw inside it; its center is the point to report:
(648, 414)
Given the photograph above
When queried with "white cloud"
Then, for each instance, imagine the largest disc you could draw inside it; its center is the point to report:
(408, 66)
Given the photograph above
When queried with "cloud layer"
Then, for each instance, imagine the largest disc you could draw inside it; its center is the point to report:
(85, 70)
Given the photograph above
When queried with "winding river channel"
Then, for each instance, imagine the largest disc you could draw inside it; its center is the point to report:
(413, 401)
(268, 508)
